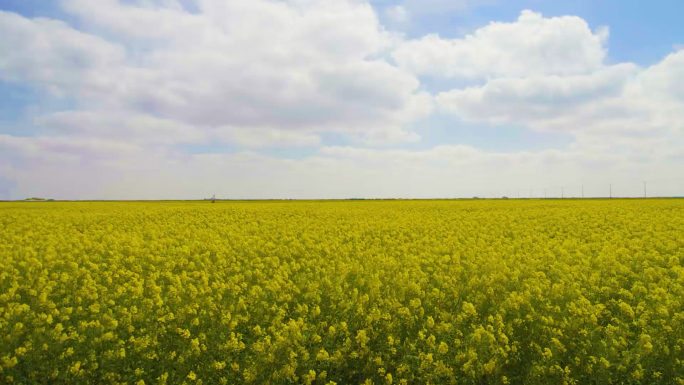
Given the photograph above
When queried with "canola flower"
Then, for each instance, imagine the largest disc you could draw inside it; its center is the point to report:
(375, 292)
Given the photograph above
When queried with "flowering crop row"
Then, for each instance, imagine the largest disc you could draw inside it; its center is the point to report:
(383, 292)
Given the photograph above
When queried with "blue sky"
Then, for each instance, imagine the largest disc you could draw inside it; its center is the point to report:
(419, 102)
(639, 33)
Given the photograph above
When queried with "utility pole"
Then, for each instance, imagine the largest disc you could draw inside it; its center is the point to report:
(644, 189)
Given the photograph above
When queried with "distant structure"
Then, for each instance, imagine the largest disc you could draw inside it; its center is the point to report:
(213, 198)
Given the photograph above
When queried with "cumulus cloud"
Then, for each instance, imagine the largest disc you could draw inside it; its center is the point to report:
(51, 54)
(121, 127)
(378, 136)
(531, 84)
(128, 127)
(533, 45)
(541, 101)
(437, 6)
(397, 13)
(291, 66)
(145, 77)
(663, 81)
(617, 100)
(260, 137)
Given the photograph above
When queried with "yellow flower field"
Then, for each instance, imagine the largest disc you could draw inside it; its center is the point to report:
(382, 292)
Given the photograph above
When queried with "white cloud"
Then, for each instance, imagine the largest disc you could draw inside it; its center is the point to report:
(533, 45)
(335, 172)
(51, 54)
(379, 136)
(266, 137)
(301, 66)
(620, 100)
(544, 102)
(397, 13)
(65, 152)
(437, 6)
(151, 131)
(446, 154)
(120, 127)
(664, 81)
(146, 76)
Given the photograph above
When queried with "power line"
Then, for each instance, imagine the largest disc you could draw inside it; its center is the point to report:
(654, 187)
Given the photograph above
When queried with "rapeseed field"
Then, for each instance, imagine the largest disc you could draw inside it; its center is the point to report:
(355, 292)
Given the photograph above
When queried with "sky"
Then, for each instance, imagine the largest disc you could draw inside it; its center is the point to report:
(333, 99)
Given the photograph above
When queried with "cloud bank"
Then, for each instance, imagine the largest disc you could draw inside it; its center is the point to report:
(147, 80)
